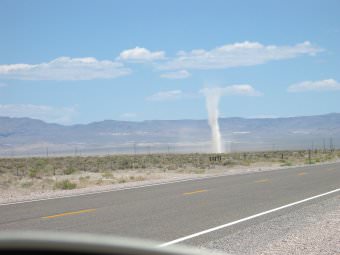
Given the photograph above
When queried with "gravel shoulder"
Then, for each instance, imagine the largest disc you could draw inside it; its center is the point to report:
(311, 229)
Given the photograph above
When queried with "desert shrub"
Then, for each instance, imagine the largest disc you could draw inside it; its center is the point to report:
(82, 178)
(309, 162)
(100, 181)
(40, 163)
(107, 175)
(121, 180)
(33, 172)
(65, 184)
(69, 170)
(287, 163)
(198, 171)
(139, 178)
(172, 167)
(229, 163)
(246, 163)
(49, 169)
(27, 184)
(125, 164)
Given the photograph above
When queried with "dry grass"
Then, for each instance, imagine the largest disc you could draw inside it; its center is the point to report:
(39, 174)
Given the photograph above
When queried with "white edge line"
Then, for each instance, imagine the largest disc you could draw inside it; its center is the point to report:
(244, 219)
(157, 184)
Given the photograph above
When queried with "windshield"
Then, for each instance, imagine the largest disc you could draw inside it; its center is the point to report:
(212, 124)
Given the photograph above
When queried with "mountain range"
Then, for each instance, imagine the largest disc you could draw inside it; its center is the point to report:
(25, 136)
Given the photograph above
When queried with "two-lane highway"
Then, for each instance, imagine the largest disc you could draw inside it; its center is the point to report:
(178, 210)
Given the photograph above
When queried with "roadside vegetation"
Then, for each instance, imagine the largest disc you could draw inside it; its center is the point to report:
(64, 173)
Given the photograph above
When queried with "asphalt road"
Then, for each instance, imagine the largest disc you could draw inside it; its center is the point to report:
(171, 211)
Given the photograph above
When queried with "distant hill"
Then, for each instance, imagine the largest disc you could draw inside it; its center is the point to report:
(25, 136)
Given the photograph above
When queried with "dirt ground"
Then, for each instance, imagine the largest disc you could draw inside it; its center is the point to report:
(37, 178)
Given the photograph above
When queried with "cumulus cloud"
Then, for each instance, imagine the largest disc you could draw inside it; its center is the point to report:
(236, 55)
(322, 85)
(139, 54)
(61, 115)
(237, 89)
(241, 89)
(166, 95)
(65, 68)
(232, 90)
(181, 74)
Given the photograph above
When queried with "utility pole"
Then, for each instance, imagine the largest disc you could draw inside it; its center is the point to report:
(331, 144)
(47, 152)
(324, 145)
(134, 153)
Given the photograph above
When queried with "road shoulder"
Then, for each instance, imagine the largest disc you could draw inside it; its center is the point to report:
(310, 229)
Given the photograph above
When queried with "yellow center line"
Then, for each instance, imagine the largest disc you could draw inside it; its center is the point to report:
(262, 181)
(195, 192)
(302, 173)
(68, 213)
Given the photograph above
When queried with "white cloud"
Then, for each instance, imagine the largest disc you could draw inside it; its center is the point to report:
(62, 115)
(141, 54)
(237, 89)
(166, 95)
(128, 115)
(241, 89)
(2, 85)
(65, 68)
(236, 55)
(181, 74)
(323, 85)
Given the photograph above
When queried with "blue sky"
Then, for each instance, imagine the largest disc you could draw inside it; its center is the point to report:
(82, 61)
